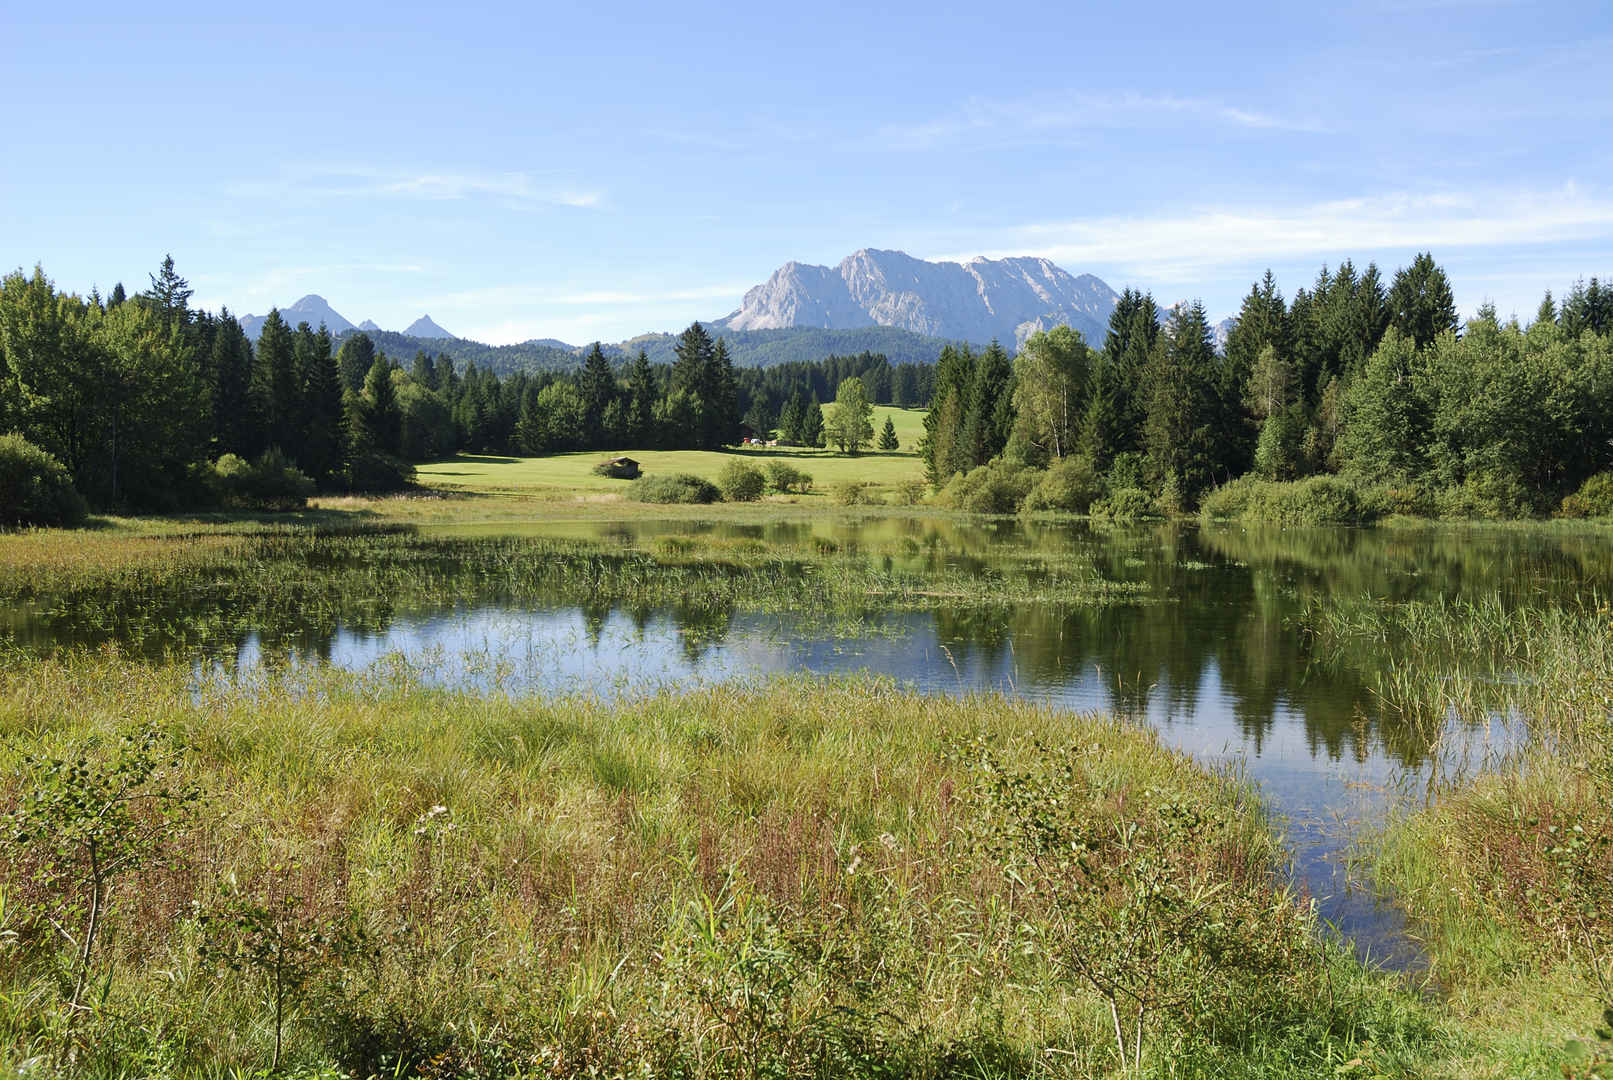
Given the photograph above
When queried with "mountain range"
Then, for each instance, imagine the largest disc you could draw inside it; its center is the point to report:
(979, 301)
(315, 311)
(873, 300)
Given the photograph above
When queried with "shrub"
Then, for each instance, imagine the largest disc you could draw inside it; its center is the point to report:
(1593, 499)
(741, 482)
(1230, 501)
(783, 478)
(1125, 504)
(272, 482)
(853, 493)
(1485, 496)
(996, 487)
(906, 493)
(1071, 485)
(1316, 500)
(674, 488)
(372, 470)
(35, 488)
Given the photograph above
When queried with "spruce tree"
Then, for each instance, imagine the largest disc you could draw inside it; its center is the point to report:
(169, 296)
(382, 415)
(887, 436)
(354, 361)
(324, 452)
(644, 391)
(812, 424)
(274, 378)
(1421, 303)
(596, 385)
(237, 420)
(1183, 401)
(791, 418)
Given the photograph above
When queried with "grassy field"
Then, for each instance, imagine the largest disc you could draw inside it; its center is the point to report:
(562, 476)
(802, 878)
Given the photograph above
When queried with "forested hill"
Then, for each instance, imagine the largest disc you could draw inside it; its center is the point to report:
(529, 356)
(747, 348)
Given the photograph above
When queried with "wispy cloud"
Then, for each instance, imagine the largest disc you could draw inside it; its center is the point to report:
(577, 316)
(1190, 246)
(510, 188)
(1049, 116)
(500, 296)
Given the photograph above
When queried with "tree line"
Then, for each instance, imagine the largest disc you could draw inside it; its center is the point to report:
(139, 396)
(1351, 376)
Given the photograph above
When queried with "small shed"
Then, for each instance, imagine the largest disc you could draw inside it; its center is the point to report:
(622, 468)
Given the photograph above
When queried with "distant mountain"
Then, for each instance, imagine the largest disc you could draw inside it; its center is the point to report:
(423, 327)
(979, 301)
(369, 327)
(311, 309)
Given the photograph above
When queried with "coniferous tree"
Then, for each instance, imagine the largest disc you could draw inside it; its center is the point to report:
(887, 436)
(792, 418)
(274, 376)
(382, 417)
(812, 424)
(596, 385)
(237, 412)
(643, 389)
(1421, 305)
(323, 454)
(1183, 400)
(722, 400)
(117, 297)
(170, 296)
(355, 360)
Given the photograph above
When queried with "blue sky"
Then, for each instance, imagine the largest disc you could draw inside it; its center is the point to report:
(522, 170)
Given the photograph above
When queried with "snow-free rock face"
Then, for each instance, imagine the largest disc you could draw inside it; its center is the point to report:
(981, 300)
(311, 309)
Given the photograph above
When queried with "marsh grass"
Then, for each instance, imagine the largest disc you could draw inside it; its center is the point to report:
(789, 879)
(295, 585)
(1507, 868)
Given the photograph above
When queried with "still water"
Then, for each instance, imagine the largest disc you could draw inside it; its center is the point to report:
(1208, 649)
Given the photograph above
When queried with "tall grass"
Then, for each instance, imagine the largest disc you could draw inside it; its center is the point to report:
(796, 878)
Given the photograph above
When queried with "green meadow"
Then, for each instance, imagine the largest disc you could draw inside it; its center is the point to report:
(566, 476)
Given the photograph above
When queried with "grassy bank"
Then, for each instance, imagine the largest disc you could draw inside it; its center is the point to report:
(800, 878)
(1507, 864)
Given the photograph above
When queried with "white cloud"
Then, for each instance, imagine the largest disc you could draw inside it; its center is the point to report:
(1188, 247)
(362, 182)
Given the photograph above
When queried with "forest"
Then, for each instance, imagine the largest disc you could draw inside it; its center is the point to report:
(145, 403)
(1355, 399)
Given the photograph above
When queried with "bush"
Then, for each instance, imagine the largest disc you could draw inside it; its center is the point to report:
(35, 488)
(907, 493)
(1230, 501)
(674, 488)
(741, 482)
(273, 482)
(1071, 485)
(1485, 497)
(1593, 499)
(784, 478)
(1125, 504)
(853, 493)
(996, 487)
(374, 471)
(1316, 500)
